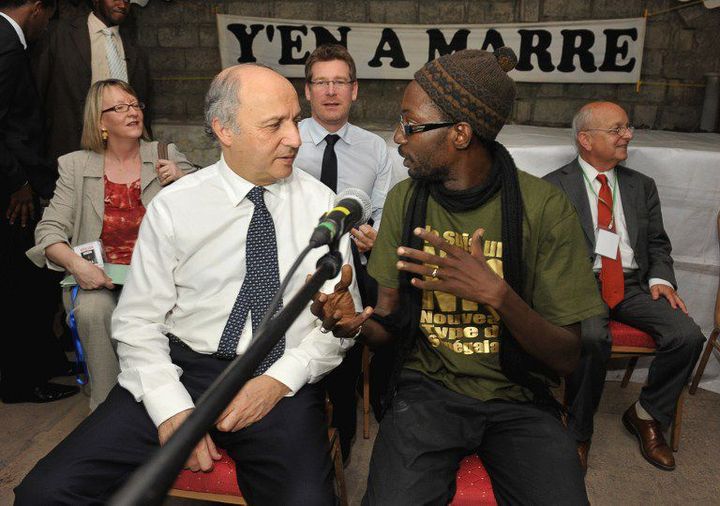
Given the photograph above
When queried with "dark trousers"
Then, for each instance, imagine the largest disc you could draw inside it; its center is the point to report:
(30, 352)
(679, 342)
(342, 381)
(429, 429)
(282, 459)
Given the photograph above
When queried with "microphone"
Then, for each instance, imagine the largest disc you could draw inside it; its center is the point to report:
(352, 207)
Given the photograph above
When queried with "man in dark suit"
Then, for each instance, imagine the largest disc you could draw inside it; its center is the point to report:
(619, 210)
(27, 357)
(76, 53)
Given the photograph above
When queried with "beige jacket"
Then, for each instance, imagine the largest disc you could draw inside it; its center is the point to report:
(75, 213)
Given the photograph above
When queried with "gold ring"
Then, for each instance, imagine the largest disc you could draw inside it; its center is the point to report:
(434, 272)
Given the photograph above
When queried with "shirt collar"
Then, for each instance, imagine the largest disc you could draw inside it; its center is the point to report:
(592, 173)
(318, 132)
(17, 28)
(238, 187)
(96, 26)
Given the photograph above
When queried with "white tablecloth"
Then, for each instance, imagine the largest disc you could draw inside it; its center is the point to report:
(684, 168)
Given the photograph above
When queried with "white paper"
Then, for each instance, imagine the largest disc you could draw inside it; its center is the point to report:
(607, 243)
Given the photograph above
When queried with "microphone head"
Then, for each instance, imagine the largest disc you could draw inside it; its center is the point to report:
(361, 198)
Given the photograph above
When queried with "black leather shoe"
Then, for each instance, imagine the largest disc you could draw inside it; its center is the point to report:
(48, 392)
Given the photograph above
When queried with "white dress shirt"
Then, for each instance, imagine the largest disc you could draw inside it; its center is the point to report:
(363, 161)
(17, 28)
(100, 68)
(186, 272)
(627, 255)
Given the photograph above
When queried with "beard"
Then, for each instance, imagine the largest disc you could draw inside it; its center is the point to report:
(423, 169)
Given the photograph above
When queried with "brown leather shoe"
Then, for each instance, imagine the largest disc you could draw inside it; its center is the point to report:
(583, 448)
(652, 442)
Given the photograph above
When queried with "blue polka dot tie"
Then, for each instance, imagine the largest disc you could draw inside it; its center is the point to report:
(262, 281)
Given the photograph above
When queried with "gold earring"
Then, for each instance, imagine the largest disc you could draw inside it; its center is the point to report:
(104, 135)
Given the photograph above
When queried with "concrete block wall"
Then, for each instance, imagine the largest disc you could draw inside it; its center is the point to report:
(180, 37)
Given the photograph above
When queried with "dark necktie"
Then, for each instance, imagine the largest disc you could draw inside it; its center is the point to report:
(611, 273)
(262, 281)
(328, 176)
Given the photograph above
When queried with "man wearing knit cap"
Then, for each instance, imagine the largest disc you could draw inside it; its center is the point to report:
(483, 280)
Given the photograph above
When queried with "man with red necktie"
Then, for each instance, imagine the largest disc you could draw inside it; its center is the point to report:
(619, 210)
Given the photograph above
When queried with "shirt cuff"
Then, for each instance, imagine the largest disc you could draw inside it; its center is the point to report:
(290, 372)
(167, 401)
(660, 281)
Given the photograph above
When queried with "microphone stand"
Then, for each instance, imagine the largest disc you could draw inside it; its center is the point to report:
(149, 484)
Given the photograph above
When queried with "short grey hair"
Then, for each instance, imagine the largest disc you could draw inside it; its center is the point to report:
(223, 99)
(580, 122)
(222, 102)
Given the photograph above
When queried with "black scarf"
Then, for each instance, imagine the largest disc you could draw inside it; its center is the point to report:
(403, 324)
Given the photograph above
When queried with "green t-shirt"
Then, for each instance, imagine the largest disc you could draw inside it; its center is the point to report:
(461, 340)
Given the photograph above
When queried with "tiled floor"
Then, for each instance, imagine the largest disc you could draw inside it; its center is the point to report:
(618, 475)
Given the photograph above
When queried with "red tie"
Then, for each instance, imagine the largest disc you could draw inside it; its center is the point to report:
(611, 273)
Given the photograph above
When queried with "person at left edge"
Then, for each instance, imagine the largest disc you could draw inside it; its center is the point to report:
(212, 247)
(29, 356)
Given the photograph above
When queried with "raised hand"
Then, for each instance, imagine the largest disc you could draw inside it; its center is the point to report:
(465, 275)
(337, 310)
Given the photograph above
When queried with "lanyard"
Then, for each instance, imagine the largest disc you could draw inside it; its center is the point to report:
(82, 374)
(614, 189)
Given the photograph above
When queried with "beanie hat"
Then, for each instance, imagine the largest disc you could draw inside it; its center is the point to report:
(472, 86)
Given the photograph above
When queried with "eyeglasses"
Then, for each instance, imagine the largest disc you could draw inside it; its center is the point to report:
(409, 129)
(138, 106)
(321, 83)
(619, 131)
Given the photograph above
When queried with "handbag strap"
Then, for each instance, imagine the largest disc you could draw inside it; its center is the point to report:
(163, 150)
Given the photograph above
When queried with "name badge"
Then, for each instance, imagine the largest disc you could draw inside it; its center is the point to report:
(607, 243)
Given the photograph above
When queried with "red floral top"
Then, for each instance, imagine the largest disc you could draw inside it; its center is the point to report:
(121, 221)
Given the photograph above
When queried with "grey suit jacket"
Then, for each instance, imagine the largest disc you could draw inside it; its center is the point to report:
(641, 206)
(75, 213)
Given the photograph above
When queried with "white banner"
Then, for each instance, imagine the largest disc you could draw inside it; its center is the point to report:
(597, 51)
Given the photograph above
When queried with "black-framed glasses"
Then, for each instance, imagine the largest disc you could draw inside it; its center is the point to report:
(337, 83)
(138, 106)
(619, 131)
(409, 128)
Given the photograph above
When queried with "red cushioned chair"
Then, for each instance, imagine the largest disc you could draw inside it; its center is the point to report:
(472, 485)
(220, 484)
(632, 343)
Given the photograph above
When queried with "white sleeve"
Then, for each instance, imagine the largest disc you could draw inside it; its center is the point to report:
(382, 185)
(138, 323)
(318, 353)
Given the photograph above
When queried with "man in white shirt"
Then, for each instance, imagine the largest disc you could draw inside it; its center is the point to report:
(619, 210)
(342, 156)
(209, 252)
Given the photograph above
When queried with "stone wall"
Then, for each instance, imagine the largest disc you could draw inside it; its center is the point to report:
(680, 47)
